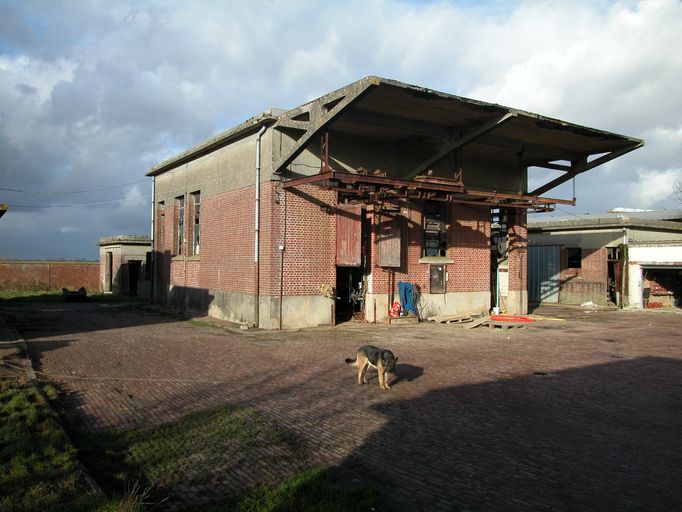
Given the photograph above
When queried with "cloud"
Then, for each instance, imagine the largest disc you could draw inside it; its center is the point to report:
(93, 94)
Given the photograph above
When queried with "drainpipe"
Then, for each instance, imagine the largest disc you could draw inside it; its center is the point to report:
(256, 238)
(623, 271)
(152, 270)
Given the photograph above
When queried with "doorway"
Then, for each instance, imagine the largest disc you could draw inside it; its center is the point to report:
(352, 243)
(350, 293)
(134, 267)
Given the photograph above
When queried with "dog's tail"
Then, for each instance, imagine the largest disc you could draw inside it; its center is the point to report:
(352, 362)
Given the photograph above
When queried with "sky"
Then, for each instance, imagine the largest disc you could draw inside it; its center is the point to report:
(95, 93)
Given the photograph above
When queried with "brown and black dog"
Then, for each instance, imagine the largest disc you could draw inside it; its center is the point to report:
(383, 360)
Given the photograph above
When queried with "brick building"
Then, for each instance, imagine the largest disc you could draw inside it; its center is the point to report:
(626, 258)
(316, 214)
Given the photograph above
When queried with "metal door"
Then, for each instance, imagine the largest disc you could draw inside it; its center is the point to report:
(543, 273)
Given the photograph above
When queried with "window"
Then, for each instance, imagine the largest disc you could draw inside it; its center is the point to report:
(196, 228)
(180, 224)
(160, 223)
(575, 256)
(434, 229)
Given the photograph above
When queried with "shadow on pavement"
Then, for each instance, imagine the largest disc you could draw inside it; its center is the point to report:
(604, 437)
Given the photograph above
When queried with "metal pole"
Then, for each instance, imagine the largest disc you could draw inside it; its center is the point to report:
(256, 238)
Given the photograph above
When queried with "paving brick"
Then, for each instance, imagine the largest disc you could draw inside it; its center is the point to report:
(580, 414)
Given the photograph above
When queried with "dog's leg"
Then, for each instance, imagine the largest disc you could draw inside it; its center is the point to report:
(363, 363)
(381, 375)
(386, 386)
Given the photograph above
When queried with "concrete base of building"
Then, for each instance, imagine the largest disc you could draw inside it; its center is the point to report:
(297, 312)
(517, 303)
(432, 304)
(238, 307)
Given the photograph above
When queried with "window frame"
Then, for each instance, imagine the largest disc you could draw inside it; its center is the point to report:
(574, 257)
(179, 224)
(195, 244)
(435, 227)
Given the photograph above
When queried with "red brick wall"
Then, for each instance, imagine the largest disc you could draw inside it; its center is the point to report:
(49, 275)
(306, 219)
(468, 245)
(594, 266)
(470, 248)
(590, 282)
(303, 220)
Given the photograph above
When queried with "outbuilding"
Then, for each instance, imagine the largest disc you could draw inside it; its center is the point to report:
(624, 257)
(317, 214)
(125, 264)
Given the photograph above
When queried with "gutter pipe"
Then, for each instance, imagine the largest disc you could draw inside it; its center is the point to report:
(152, 270)
(256, 238)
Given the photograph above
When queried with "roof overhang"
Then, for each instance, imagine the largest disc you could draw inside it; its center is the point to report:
(396, 112)
(603, 223)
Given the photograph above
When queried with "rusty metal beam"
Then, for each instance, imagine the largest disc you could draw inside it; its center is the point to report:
(346, 177)
(540, 203)
(394, 187)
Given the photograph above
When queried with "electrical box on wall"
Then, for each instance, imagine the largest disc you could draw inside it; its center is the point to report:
(437, 279)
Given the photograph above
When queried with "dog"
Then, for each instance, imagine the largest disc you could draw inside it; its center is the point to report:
(383, 360)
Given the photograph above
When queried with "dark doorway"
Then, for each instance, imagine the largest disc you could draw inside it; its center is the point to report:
(134, 268)
(350, 293)
(499, 239)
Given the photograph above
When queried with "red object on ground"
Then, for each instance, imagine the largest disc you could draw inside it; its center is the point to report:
(395, 310)
(512, 318)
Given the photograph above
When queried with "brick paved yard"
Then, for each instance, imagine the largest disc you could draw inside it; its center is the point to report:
(580, 414)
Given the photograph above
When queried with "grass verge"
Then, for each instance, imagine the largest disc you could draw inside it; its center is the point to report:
(193, 464)
(312, 491)
(40, 468)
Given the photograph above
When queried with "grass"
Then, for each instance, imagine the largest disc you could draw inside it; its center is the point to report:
(181, 452)
(312, 491)
(40, 468)
(181, 461)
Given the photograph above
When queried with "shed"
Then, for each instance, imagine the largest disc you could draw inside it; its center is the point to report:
(125, 264)
(627, 258)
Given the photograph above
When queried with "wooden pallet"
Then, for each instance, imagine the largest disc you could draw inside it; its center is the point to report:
(451, 319)
(478, 322)
(496, 324)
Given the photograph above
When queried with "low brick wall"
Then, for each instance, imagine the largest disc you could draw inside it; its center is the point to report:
(49, 275)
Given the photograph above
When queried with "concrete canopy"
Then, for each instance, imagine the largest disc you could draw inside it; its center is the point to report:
(392, 111)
